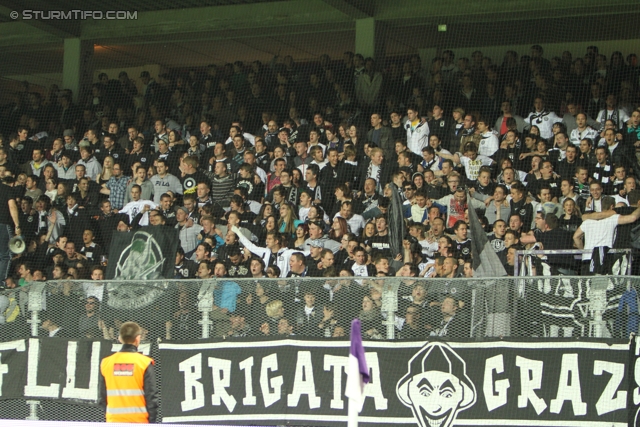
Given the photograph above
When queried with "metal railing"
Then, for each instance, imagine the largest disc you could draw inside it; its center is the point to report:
(577, 253)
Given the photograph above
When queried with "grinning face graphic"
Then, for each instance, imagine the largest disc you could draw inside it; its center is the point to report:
(435, 396)
(436, 387)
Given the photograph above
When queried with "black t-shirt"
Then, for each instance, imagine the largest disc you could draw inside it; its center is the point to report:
(6, 193)
(488, 190)
(463, 249)
(553, 183)
(525, 211)
(623, 232)
(557, 239)
(190, 182)
(186, 270)
(379, 244)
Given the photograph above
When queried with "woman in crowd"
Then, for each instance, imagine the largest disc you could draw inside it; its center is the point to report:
(107, 171)
(278, 153)
(571, 219)
(296, 178)
(302, 234)
(51, 185)
(144, 183)
(265, 211)
(368, 232)
(288, 221)
(175, 140)
(339, 228)
(356, 139)
(445, 247)
(195, 148)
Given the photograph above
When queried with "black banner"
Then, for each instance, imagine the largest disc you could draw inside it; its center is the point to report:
(507, 383)
(634, 382)
(147, 253)
(54, 368)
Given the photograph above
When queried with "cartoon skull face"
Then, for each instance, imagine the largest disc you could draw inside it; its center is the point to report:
(435, 397)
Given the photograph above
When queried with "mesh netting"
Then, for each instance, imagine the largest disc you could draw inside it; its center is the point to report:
(389, 309)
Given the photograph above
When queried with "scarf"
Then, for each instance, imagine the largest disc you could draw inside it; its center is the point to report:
(376, 177)
(538, 117)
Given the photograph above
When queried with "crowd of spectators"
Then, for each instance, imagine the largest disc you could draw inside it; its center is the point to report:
(287, 170)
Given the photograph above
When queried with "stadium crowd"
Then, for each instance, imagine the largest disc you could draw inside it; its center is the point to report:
(288, 170)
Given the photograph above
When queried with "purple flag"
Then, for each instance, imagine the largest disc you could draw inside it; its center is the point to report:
(357, 374)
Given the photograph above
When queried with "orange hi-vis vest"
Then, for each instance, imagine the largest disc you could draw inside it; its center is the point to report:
(123, 374)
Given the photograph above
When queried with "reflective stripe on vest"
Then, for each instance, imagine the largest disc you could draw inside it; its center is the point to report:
(132, 392)
(123, 374)
(129, 410)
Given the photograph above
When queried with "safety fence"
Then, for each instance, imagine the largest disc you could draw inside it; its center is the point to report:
(232, 314)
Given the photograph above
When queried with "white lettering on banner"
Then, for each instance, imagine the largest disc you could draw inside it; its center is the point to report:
(496, 383)
(339, 364)
(70, 391)
(374, 387)
(530, 381)
(13, 345)
(304, 382)
(270, 363)
(32, 389)
(246, 365)
(495, 394)
(221, 374)
(4, 369)
(611, 398)
(636, 375)
(193, 389)
(569, 386)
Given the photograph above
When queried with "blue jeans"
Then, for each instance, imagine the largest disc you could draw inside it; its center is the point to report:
(5, 254)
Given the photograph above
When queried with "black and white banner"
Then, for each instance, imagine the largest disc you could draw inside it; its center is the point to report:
(434, 384)
(634, 382)
(54, 368)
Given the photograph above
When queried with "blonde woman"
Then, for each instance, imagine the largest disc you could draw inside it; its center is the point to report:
(288, 220)
(107, 171)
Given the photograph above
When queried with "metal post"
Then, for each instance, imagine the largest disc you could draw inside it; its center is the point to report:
(35, 322)
(390, 306)
(36, 303)
(205, 305)
(33, 410)
(473, 310)
(206, 323)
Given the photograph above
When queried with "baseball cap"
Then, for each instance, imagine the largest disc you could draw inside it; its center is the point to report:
(317, 243)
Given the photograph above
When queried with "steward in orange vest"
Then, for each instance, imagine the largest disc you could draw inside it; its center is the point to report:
(127, 381)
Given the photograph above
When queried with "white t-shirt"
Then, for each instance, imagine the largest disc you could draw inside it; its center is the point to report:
(599, 233)
(472, 167)
(356, 223)
(489, 144)
(134, 208)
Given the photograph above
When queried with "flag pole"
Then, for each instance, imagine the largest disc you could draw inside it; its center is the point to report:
(357, 375)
